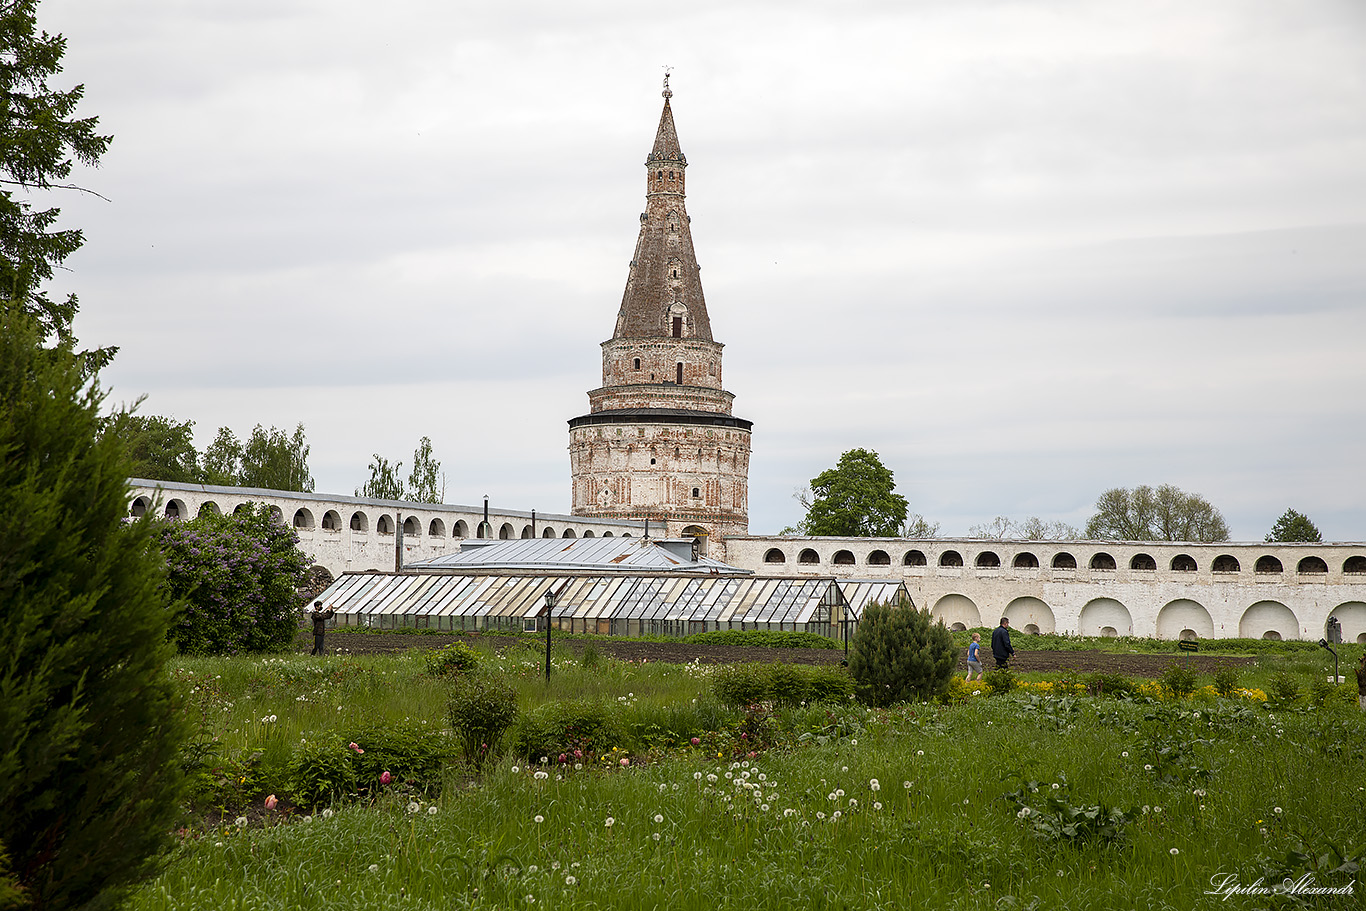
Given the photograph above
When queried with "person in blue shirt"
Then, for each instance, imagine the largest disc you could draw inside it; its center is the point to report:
(975, 656)
(1001, 648)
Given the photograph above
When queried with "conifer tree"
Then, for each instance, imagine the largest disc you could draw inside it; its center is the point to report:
(90, 726)
(900, 653)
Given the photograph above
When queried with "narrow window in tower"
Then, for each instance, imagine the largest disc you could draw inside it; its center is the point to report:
(680, 374)
(675, 273)
(678, 333)
(659, 176)
(635, 364)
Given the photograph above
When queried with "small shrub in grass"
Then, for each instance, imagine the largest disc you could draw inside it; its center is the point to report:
(1103, 683)
(320, 773)
(1285, 688)
(899, 653)
(563, 727)
(452, 661)
(1178, 681)
(999, 681)
(1323, 694)
(481, 709)
(590, 658)
(1226, 680)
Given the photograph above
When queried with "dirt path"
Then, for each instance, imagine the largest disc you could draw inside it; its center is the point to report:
(1148, 666)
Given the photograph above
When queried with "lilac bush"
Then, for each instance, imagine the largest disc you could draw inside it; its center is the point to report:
(235, 579)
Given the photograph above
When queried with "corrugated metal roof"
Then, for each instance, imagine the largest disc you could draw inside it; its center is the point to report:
(579, 555)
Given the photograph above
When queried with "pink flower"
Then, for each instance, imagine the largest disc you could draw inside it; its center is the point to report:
(385, 778)
(696, 741)
(563, 757)
(271, 802)
(578, 754)
(356, 748)
(625, 761)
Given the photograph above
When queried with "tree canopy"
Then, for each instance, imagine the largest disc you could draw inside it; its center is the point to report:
(856, 498)
(426, 483)
(1165, 513)
(268, 460)
(161, 448)
(40, 141)
(1294, 526)
(1031, 529)
(384, 483)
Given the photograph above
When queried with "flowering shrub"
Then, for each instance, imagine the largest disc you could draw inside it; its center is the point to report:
(407, 752)
(235, 579)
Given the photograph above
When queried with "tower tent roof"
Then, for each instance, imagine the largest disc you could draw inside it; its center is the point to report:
(666, 146)
(664, 283)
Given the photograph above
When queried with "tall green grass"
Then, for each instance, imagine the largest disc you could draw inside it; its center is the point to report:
(1230, 787)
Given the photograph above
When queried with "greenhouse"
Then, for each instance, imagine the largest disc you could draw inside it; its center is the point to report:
(616, 604)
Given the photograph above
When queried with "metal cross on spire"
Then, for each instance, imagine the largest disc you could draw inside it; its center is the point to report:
(668, 92)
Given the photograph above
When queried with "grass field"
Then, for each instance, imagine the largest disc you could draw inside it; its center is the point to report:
(1026, 800)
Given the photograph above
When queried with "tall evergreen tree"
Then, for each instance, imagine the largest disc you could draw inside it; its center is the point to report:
(90, 725)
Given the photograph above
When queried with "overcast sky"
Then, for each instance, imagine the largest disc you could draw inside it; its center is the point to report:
(1027, 251)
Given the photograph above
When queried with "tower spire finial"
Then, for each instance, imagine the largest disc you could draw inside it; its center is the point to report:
(668, 92)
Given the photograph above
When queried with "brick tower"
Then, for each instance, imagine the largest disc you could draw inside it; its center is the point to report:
(659, 441)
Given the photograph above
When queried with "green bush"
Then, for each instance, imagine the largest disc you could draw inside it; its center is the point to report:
(408, 752)
(740, 684)
(899, 653)
(1284, 688)
(1104, 683)
(481, 709)
(90, 721)
(782, 684)
(1178, 680)
(1226, 680)
(999, 681)
(762, 638)
(321, 772)
(556, 728)
(590, 659)
(829, 683)
(452, 660)
(1322, 693)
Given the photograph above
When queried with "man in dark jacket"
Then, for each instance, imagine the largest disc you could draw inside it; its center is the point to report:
(320, 618)
(1001, 649)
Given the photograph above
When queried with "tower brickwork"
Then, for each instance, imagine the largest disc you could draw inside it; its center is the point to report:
(659, 440)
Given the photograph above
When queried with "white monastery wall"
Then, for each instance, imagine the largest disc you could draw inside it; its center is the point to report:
(1285, 591)
(343, 533)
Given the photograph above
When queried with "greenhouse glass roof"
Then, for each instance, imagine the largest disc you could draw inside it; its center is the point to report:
(619, 603)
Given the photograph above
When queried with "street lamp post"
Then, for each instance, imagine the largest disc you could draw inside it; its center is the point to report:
(549, 606)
